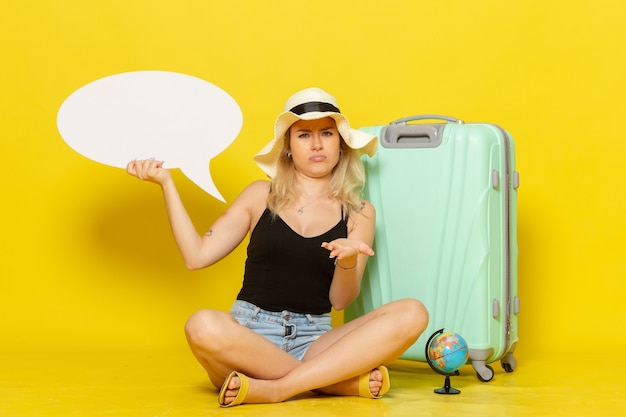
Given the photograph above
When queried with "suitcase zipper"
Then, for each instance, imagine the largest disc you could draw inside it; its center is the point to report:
(507, 238)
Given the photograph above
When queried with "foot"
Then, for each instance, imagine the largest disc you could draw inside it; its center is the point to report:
(234, 390)
(375, 384)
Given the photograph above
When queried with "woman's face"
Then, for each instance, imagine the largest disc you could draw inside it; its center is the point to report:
(315, 146)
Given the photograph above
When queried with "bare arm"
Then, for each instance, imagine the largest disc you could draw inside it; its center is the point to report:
(351, 256)
(224, 235)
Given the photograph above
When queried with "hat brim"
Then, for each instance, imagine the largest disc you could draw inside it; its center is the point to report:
(267, 158)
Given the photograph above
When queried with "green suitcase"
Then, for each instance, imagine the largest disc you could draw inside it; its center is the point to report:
(445, 194)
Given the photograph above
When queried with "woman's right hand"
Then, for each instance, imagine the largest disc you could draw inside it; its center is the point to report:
(149, 170)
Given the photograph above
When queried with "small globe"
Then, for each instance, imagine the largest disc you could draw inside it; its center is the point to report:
(448, 352)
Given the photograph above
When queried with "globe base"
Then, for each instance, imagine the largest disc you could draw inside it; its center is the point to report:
(447, 388)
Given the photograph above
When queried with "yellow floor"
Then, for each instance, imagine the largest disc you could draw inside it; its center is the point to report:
(159, 384)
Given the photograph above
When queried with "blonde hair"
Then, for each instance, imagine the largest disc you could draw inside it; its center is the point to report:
(346, 184)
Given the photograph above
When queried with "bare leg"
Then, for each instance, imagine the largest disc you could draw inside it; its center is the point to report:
(351, 386)
(334, 362)
(221, 345)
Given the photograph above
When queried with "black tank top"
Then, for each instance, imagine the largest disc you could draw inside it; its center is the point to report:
(286, 271)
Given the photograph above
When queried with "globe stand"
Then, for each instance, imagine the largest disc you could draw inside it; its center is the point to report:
(447, 387)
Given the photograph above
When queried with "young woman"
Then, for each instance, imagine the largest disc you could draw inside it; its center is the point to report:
(310, 238)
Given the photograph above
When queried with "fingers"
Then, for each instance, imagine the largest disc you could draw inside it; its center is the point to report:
(130, 168)
(334, 249)
(344, 248)
(146, 169)
(331, 249)
(367, 251)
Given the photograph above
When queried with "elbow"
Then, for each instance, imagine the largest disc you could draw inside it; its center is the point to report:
(191, 266)
(194, 265)
(342, 303)
(340, 306)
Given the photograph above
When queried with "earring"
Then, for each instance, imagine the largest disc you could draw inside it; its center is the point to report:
(289, 154)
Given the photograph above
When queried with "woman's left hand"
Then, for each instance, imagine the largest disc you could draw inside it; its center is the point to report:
(346, 248)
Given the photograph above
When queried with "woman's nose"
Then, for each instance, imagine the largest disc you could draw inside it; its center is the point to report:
(317, 142)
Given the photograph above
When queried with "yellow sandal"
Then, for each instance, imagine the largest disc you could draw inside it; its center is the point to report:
(241, 395)
(364, 383)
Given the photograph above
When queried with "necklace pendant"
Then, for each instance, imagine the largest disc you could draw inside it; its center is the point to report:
(300, 211)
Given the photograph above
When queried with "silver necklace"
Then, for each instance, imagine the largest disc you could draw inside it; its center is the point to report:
(301, 209)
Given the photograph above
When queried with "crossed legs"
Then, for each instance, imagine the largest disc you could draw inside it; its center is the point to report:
(331, 365)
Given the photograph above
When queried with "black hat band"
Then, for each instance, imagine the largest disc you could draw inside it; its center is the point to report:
(314, 106)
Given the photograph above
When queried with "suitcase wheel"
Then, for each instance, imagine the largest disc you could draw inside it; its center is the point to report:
(509, 363)
(484, 372)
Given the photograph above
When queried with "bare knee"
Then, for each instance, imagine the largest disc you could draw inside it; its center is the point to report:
(205, 328)
(412, 317)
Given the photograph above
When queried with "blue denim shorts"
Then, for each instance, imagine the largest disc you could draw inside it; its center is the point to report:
(291, 332)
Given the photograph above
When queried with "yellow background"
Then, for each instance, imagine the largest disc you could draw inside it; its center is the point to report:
(87, 258)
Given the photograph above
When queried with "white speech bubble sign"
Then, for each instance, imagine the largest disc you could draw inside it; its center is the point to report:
(180, 119)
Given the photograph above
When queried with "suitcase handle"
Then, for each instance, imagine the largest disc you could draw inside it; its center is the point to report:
(400, 134)
(404, 120)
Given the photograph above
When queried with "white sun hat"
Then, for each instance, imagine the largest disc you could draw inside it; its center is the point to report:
(311, 104)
